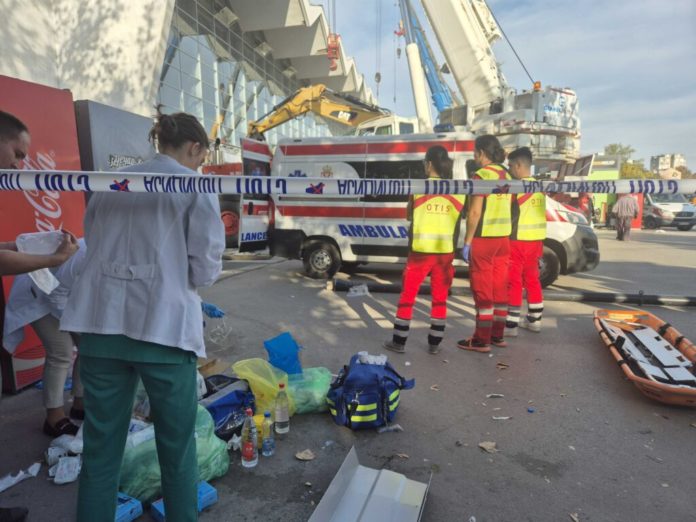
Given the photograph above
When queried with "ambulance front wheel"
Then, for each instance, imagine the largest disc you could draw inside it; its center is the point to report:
(549, 267)
(321, 259)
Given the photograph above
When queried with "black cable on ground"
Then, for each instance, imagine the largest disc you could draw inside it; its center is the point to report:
(341, 285)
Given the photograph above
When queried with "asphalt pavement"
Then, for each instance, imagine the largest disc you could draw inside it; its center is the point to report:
(580, 442)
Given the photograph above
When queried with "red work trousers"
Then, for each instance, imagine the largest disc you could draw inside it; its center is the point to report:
(488, 275)
(418, 267)
(524, 272)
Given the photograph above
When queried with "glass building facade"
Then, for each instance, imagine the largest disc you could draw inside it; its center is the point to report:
(224, 77)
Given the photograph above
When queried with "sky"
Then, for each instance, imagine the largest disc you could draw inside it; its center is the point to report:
(631, 62)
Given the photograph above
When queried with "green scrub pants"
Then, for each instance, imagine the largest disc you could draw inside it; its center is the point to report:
(110, 366)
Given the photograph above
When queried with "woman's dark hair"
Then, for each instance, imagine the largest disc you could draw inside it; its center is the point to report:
(10, 126)
(440, 161)
(471, 168)
(173, 130)
(491, 147)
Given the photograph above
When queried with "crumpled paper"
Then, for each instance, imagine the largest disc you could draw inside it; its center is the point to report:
(10, 480)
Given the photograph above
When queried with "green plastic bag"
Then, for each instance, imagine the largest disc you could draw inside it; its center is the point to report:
(309, 391)
(263, 380)
(140, 472)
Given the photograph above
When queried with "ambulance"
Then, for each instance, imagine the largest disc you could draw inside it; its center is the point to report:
(341, 232)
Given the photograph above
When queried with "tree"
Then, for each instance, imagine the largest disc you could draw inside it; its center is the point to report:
(619, 150)
(635, 171)
(686, 173)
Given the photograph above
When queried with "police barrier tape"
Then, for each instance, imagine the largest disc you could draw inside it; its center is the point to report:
(79, 181)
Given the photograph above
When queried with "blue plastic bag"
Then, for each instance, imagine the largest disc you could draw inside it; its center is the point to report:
(283, 353)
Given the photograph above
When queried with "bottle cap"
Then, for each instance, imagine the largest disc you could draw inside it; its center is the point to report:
(281, 385)
(250, 412)
(266, 413)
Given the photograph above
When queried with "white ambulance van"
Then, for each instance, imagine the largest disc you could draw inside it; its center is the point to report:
(341, 232)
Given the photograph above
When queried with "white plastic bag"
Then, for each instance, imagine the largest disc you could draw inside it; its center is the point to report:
(68, 470)
(43, 243)
(53, 455)
(358, 291)
(143, 434)
(200, 382)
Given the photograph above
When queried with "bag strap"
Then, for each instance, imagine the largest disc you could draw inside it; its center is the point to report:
(404, 384)
(340, 378)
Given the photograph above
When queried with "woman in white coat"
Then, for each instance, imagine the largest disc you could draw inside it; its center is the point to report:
(28, 305)
(139, 315)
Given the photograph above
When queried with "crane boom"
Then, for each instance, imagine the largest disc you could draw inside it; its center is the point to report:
(320, 100)
(546, 120)
(465, 30)
(440, 91)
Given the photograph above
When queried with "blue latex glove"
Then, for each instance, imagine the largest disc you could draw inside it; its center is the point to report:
(211, 310)
(466, 253)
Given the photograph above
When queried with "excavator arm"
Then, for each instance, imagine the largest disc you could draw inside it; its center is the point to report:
(320, 100)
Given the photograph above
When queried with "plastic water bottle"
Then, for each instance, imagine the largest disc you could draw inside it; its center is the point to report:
(250, 451)
(268, 444)
(282, 411)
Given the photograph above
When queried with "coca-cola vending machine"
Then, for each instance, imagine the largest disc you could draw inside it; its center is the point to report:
(50, 116)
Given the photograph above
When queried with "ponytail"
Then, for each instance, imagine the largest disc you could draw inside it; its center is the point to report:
(491, 147)
(173, 130)
(442, 163)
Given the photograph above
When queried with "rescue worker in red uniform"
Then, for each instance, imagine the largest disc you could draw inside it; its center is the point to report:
(434, 226)
(487, 248)
(526, 247)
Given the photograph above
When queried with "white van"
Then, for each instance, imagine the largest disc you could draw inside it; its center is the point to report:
(344, 231)
(668, 210)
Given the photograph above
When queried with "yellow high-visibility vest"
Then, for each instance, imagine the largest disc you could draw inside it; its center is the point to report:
(530, 221)
(496, 220)
(435, 219)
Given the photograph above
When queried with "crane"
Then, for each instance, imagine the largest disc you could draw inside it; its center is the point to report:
(442, 96)
(544, 119)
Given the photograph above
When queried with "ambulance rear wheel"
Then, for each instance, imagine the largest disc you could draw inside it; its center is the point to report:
(229, 213)
(321, 259)
(549, 267)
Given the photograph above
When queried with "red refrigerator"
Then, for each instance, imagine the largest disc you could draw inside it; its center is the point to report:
(50, 116)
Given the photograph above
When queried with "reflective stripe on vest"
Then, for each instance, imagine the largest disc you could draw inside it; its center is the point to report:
(435, 219)
(531, 221)
(496, 220)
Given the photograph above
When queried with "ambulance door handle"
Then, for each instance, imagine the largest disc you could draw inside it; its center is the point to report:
(251, 208)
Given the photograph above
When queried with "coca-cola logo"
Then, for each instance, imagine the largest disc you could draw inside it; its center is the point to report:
(46, 204)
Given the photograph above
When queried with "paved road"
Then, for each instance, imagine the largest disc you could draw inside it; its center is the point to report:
(593, 445)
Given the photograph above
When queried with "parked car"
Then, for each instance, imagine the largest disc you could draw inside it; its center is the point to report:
(668, 210)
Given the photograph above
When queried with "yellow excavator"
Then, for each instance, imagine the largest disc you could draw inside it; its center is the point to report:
(320, 100)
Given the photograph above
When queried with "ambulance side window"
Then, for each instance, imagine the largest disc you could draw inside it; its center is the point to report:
(389, 170)
(256, 168)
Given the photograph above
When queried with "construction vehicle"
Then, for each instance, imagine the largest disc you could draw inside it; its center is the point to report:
(543, 119)
(320, 100)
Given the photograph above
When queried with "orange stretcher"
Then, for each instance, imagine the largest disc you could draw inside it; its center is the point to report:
(654, 356)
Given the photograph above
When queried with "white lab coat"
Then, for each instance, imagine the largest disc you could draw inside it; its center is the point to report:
(27, 303)
(147, 253)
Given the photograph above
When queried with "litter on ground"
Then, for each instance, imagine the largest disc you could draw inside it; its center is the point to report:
(488, 446)
(305, 455)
